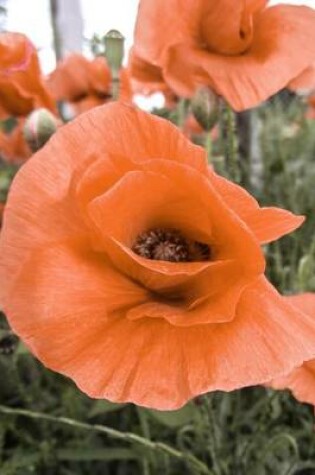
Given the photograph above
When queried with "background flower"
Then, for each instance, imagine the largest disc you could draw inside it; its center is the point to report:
(86, 83)
(242, 50)
(21, 85)
(13, 147)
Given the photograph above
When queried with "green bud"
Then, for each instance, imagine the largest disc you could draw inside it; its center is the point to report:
(39, 126)
(205, 108)
(114, 50)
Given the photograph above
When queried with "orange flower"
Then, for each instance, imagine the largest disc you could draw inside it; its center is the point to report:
(301, 381)
(242, 50)
(21, 85)
(13, 147)
(85, 84)
(139, 272)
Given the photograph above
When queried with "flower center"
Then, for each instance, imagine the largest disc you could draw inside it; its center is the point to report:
(170, 245)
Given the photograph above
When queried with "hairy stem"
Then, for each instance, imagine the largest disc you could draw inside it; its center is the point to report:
(196, 464)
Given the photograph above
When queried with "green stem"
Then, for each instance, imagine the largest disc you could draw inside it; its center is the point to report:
(208, 145)
(115, 86)
(129, 437)
(146, 432)
(274, 443)
(231, 143)
(212, 427)
(181, 112)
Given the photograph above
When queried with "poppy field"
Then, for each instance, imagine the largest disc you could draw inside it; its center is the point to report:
(157, 268)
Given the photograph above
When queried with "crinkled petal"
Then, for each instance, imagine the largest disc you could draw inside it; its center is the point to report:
(155, 364)
(301, 381)
(40, 197)
(283, 46)
(153, 33)
(267, 224)
(64, 287)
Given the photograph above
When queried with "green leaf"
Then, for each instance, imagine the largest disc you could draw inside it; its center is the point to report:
(174, 419)
(103, 407)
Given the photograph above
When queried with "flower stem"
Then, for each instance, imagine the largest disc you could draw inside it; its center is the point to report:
(181, 112)
(195, 463)
(207, 402)
(146, 433)
(115, 87)
(208, 145)
(231, 143)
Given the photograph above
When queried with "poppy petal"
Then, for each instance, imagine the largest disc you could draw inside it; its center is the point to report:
(152, 42)
(70, 79)
(150, 136)
(114, 357)
(83, 285)
(268, 224)
(301, 381)
(21, 86)
(152, 203)
(274, 58)
(149, 195)
(305, 80)
(40, 197)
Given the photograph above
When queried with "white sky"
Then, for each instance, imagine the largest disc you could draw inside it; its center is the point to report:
(32, 18)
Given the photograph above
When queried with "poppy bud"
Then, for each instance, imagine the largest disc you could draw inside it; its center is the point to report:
(114, 50)
(39, 127)
(205, 108)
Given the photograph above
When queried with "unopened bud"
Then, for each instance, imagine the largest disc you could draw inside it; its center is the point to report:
(205, 108)
(39, 126)
(114, 50)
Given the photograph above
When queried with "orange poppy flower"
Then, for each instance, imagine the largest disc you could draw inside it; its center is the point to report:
(301, 381)
(85, 84)
(141, 269)
(13, 147)
(21, 85)
(244, 51)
